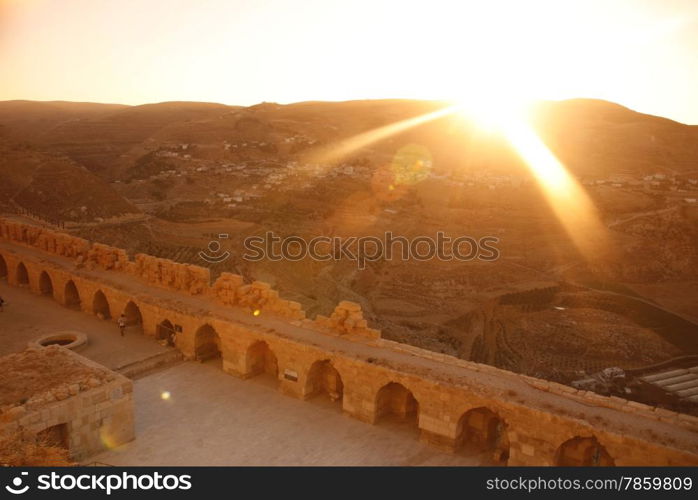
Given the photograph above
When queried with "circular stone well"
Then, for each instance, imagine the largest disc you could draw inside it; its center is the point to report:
(69, 339)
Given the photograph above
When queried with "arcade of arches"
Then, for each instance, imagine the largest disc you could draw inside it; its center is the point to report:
(452, 404)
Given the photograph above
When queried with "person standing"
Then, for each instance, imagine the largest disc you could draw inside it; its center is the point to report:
(122, 324)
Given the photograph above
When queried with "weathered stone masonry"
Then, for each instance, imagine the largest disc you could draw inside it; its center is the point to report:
(522, 420)
(85, 415)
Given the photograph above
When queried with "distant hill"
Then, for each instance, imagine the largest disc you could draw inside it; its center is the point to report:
(596, 137)
(54, 187)
(94, 135)
(30, 120)
(593, 137)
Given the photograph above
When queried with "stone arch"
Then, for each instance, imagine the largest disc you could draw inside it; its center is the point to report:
(71, 295)
(3, 267)
(483, 430)
(207, 343)
(134, 318)
(164, 330)
(396, 401)
(100, 305)
(22, 274)
(45, 284)
(323, 378)
(261, 359)
(57, 436)
(583, 452)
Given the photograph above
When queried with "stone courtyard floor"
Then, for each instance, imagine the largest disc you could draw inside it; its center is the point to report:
(210, 417)
(27, 316)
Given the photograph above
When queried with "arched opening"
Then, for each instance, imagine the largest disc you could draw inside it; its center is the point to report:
(165, 331)
(394, 402)
(55, 436)
(100, 305)
(583, 452)
(22, 274)
(3, 267)
(45, 284)
(323, 378)
(481, 430)
(72, 296)
(262, 360)
(134, 319)
(207, 344)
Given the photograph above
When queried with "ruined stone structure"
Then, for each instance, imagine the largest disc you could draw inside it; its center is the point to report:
(86, 411)
(452, 403)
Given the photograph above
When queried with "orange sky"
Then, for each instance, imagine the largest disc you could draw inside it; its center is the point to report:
(640, 53)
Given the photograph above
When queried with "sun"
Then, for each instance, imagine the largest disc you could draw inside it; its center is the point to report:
(492, 111)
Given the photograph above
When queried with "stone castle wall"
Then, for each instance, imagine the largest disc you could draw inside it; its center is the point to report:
(228, 289)
(451, 400)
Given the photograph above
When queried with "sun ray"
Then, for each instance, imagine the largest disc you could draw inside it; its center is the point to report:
(352, 144)
(566, 197)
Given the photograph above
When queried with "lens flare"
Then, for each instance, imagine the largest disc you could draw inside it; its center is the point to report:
(107, 438)
(411, 164)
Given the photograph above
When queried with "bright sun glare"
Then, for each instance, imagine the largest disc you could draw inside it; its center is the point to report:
(491, 111)
(511, 117)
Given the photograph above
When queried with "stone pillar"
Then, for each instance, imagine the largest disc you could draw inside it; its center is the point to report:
(527, 450)
(233, 351)
(150, 319)
(359, 402)
(34, 273)
(435, 430)
(12, 263)
(291, 378)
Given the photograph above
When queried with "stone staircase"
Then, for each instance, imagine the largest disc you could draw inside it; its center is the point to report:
(146, 366)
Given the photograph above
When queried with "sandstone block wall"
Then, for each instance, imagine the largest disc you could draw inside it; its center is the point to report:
(229, 289)
(94, 414)
(348, 319)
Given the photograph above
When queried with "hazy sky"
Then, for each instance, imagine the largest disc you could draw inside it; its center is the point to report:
(640, 53)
